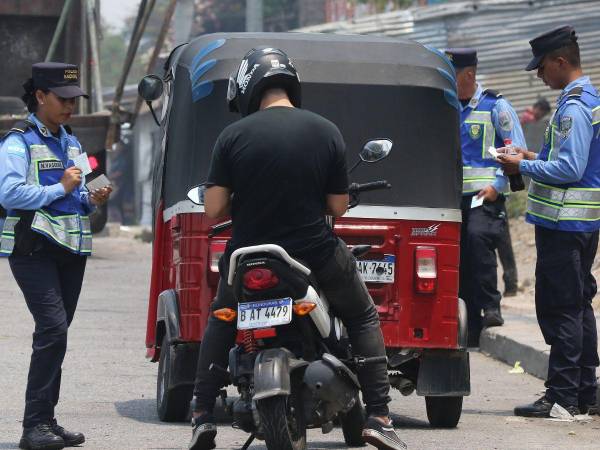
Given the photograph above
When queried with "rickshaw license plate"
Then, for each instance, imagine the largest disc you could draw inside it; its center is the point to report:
(380, 271)
(264, 314)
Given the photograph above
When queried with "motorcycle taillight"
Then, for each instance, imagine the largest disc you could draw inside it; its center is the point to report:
(259, 279)
(425, 269)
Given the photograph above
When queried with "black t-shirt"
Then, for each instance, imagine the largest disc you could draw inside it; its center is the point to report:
(280, 163)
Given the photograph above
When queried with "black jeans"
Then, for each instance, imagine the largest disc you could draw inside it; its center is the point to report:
(349, 300)
(50, 279)
(481, 230)
(564, 290)
(507, 259)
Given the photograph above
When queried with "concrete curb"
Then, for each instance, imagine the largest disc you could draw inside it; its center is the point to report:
(510, 344)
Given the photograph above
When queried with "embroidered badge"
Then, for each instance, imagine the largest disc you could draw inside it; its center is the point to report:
(505, 121)
(475, 131)
(566, 123)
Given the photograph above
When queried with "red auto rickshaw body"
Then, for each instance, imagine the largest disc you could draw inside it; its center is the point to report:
(370, 87)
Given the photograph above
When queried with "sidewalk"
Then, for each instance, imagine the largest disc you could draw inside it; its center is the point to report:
(519, 339)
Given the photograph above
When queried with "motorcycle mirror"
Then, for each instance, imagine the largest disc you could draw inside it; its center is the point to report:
(150, 88)
(196, 194)
(376, 150)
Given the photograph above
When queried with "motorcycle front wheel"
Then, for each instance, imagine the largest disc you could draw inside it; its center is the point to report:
(282, 420)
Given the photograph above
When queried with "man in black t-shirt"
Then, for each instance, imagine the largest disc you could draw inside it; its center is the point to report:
(277, 172)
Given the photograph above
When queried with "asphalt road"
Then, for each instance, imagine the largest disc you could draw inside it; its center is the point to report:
(108, 387)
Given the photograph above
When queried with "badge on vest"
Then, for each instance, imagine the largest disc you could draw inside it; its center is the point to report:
(566, 123)
(547, 135)
(50, 165)
(475, 131)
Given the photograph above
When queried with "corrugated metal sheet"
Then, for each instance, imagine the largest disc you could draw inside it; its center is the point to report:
(500, 30)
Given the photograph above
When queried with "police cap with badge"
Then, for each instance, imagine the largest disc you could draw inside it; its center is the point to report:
(58, 78)
(462, 57)
(548, 42)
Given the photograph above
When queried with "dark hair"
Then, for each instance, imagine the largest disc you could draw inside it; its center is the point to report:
(543, 105)
(570, 52)
(29, 96)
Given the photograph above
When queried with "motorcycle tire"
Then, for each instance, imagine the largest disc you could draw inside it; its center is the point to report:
(282, 420)
(353, 423)
(444, 412)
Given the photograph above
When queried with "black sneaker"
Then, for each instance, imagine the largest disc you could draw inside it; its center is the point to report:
(541, 408)
(492, 318)
(592, 410)
(204, 431)
(382, 436)
(71, 438)
(41, 437)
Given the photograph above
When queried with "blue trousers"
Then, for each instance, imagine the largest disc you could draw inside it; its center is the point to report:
(50, 279)
(564, 289)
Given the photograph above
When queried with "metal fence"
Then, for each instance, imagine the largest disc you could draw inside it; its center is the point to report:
(500, 30)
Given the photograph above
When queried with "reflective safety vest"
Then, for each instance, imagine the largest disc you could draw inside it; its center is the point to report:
(573, 206)
(477, 134)
(65, 221)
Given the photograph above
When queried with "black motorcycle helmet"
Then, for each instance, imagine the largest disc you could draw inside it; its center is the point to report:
(261, 68)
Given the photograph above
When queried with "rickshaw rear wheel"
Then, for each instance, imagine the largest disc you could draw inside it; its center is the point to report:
(352, 424)
(444, 412)
(172, 404)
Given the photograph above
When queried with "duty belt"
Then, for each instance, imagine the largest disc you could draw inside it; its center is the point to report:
(476, 178)
(556, 204)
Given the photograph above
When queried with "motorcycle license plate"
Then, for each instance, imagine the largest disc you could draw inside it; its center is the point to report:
(380, 271)
(264, 314)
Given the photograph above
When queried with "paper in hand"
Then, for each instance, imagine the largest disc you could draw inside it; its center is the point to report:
(476, 201)
(492, 151)
(98, 183)
(82, 162)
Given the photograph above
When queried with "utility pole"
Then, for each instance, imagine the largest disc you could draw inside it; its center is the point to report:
(254, 15)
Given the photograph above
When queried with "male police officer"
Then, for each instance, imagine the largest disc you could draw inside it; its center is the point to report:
(486, 120)
(564, 206)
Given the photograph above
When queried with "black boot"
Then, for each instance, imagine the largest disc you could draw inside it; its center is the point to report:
(71, 438)
(492, 318)
(41, 437)
(541, 408)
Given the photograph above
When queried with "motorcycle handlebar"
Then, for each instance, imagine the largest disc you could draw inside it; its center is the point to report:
(372, 186)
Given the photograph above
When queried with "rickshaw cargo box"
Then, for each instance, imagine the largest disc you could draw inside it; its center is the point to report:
(368, 86)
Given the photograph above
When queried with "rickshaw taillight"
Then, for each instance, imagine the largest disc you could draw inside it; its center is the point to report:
(217, 248)
(425, 270)
(258, 279)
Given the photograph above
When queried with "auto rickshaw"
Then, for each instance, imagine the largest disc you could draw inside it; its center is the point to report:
(369, 87)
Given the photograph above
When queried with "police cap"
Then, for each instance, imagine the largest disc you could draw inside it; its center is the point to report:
(462, 57)
(548, 42)
(61, 79)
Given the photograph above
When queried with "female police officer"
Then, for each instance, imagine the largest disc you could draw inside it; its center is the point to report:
(47, 236)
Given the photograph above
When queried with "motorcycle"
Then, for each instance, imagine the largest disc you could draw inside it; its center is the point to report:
(294, 368)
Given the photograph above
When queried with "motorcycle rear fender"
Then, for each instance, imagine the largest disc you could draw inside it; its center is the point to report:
(272, 372)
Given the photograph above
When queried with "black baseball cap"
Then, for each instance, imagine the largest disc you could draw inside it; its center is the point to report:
(59, 78)
(548, 42)
(462, 57)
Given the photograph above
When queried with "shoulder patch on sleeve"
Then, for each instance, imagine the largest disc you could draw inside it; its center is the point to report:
(566, 123)
(505, 121)
(14, 145)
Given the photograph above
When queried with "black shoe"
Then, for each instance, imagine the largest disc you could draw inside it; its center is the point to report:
(41, 437)
(492, 318)
(541, 408)
(204, 432)
(382, 436)
(71, 438)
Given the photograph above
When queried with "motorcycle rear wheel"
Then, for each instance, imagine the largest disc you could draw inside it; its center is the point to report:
(282, 420)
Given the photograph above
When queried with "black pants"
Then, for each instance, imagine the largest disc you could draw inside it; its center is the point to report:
(349, 300)
(564, 289)
(482, 228)
(507, 259)
(50, 279)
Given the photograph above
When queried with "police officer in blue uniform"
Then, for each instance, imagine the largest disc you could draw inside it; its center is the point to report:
(486, 120)
(564, 205)
(46, 236)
